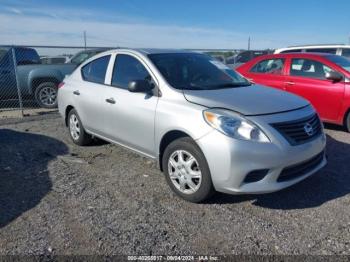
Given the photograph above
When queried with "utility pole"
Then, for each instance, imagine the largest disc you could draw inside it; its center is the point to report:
(85, 39)
(249, 43)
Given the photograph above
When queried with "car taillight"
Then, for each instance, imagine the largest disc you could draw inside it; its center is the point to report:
(60, 85)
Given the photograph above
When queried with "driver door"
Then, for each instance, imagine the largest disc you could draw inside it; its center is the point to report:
(307, 78)
(129, 117)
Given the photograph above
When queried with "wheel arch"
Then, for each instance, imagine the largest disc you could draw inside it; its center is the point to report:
(68, 109)
(39, 80)
(346, 115)
(167, 138)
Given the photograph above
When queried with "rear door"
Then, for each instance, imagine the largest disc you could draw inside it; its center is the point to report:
(268, 72)
(88, 94)
(130, 117)
(307, 78)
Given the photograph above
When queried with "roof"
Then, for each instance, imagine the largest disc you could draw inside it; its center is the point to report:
(311, 47)
(148, 51)
(292, 55)
(318, 45)
(308, 54)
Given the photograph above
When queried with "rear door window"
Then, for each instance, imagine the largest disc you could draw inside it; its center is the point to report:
(269, 66)
(309, 68)
(95, 71)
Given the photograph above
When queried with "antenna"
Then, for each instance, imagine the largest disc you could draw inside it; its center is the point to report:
(248, 43)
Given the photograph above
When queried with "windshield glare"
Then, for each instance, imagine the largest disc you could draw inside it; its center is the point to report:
(340, 61)
(196, 71)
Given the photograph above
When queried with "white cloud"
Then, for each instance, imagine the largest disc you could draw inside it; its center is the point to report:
(29, 25)
(53, 29)
(14, 10)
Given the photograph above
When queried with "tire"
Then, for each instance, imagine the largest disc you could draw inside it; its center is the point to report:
(191, 180)
(76, 129)
(46, 95)
(347, 122)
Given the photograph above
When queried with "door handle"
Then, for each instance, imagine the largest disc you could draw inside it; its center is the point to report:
(289, 83)
(110, 100)
(76, 92)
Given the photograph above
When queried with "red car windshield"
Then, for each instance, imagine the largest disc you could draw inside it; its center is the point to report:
(340, 61)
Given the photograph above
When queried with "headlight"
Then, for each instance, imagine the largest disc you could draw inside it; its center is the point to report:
(234, 125)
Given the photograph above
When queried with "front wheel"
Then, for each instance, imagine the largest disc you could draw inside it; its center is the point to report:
(46, 95)
(347, 122)
(186, 170)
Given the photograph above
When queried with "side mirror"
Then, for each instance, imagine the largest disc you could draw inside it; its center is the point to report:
(334, 76)
(140, 86)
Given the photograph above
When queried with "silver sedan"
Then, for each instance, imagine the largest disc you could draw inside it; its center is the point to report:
(208, 127)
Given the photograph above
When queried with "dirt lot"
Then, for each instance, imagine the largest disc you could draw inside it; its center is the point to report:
(59, 198)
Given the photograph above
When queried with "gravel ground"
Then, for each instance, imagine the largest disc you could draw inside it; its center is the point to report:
(58, 198)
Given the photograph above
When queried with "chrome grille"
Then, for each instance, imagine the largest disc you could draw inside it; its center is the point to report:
(300, 131)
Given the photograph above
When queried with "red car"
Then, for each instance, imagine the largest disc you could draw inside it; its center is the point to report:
(323, 79)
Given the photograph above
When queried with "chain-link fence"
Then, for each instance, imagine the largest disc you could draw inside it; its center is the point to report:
(30, 75)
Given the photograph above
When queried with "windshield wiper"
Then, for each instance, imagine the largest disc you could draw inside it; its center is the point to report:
(192, 86)
(228, 85)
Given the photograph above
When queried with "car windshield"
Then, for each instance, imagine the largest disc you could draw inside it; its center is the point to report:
(81, 57)
(340, 61)
(196, 71)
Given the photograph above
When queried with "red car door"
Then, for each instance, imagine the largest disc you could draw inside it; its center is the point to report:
(267, 72)
(307, 78)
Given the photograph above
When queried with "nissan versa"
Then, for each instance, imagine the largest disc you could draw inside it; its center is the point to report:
(209, 128)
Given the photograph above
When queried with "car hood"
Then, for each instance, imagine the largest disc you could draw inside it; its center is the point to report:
(249, 100)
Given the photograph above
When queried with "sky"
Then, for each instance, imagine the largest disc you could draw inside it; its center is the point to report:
(202, 24)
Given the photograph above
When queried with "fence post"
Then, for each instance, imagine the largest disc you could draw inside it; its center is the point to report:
(17, 82)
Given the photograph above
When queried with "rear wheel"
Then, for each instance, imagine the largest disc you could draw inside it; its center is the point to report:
(186, 170)
(76, 129)
(46, 95)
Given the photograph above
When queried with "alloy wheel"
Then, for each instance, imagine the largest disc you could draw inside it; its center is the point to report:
(48, 96)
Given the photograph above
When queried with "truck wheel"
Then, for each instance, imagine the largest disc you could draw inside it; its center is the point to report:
(46, 95)
(186, 170)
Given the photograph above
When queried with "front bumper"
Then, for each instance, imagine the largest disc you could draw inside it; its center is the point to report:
(231, 160)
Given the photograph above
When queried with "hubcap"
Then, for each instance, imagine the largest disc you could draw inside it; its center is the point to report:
(74, 127)
(184, 172)
(48, 95)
